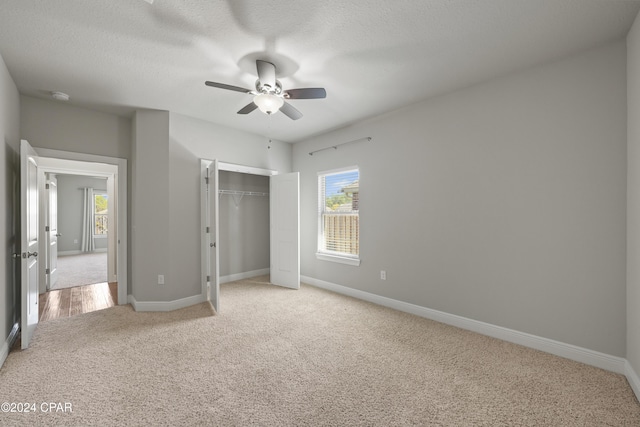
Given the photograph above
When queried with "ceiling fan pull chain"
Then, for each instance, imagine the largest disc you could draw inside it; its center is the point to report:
(269, 131)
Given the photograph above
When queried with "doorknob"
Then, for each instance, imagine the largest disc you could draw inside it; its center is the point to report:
(58, 234)
(33, 254)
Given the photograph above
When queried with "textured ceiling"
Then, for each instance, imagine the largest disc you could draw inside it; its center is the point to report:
(371, 56)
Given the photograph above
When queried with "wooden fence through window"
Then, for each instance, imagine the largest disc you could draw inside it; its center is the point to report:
(342, 233)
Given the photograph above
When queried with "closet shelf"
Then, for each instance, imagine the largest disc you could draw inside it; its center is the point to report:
(242, 193)
(238, 195)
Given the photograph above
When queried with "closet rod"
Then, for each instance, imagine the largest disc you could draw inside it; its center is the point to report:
(335, 147)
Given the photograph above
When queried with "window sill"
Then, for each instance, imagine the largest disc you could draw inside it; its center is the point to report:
(338, 259)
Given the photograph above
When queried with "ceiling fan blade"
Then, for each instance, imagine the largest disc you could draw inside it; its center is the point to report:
(266, 73)
(290, 111)
(228, 87)
(248, 108)
(307, 93)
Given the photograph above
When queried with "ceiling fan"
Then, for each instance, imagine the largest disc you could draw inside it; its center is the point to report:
(269, 96)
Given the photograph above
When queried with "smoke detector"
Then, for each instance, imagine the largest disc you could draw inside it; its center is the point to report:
(60, 96)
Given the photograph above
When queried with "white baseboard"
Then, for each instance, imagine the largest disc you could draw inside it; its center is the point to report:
(245, 275)
(165, 305)
(569, 351)
(6, 345)
(76, 252)
(65, 253)
(632, 378)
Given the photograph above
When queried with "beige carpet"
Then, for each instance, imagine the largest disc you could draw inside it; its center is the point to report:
(79, 270)
(279, 357)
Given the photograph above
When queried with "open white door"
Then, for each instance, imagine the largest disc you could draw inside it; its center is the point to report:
(211, 221)
(29, 240)
(285, 229)
(52, 231)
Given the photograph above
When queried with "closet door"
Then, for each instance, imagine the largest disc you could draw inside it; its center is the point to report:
(209, 223)
(285, 229)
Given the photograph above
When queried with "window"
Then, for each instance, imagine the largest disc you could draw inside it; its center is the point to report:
(100, 212)
(339, 216)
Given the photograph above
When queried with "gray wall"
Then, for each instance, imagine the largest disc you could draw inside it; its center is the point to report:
(59, 126)
(150, 210)
(633, 196)
(167, 149)
(191, 140)
(244, 224)
(503, 202)
(70, 210)
(10, 212)
(164, 152)
(514, 193)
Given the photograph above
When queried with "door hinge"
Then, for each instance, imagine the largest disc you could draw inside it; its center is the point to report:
(46, 228)
(207, 230)
(208, 278)
(206, 179)
(47, 271)
(46, 186)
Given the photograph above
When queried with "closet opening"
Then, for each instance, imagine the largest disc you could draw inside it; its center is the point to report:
(250, 219)
(244, 235)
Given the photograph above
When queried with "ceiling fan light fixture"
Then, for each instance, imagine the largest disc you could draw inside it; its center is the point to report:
(268, 103)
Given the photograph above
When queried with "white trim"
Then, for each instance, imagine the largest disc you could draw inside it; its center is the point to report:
(335, 258)
(66, 253)
(79, 252)
(121, 239)
(632, 378)
(165, 305)
(6, 345)
(232, 167)
(204, 223)
(339, 170)
(245, 275)
(569, 351)
(321, 252)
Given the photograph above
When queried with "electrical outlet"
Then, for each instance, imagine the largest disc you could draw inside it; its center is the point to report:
(160, 279)
(383, 275)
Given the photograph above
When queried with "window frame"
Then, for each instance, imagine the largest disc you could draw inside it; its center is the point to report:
(323, 254)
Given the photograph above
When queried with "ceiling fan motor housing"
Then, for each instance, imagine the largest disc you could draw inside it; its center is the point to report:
(260, 88)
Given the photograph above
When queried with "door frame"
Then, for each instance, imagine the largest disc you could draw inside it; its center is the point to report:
(207, 230)
(56, 167)
(102, 166)
(205, 214)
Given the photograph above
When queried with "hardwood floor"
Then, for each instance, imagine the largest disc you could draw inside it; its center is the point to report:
(82, 299)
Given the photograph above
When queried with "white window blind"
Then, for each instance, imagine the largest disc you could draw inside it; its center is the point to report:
(339, 213)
